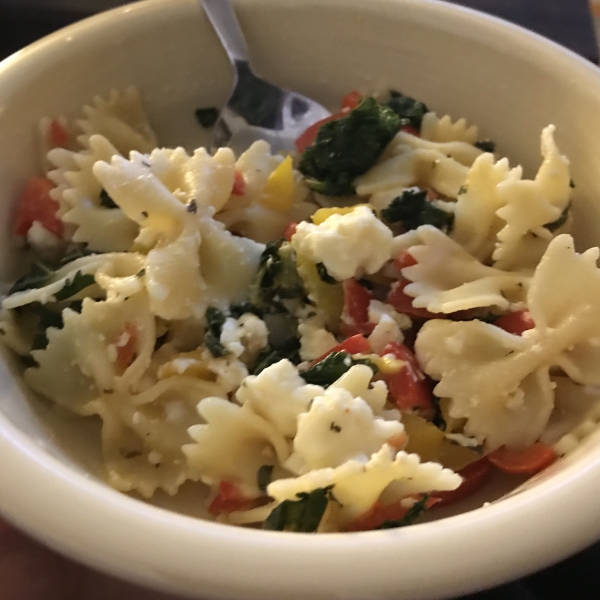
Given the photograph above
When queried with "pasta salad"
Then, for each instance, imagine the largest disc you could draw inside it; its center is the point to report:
(335, 340)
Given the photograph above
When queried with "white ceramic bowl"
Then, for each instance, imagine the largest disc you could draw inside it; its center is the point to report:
(509, 81)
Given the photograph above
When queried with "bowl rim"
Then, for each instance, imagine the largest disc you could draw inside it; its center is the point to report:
(137, 541)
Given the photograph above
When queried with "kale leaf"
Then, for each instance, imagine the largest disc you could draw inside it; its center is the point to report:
(245, 307)
(215, 320)
(277, 278)
(348, 147)
(324, 274)
(264, 477)
(303, 515)
(413, 209)
(73, 286)
(409, 110)
(75, 253)
(332, 367)
(416, 510)
(39, 275)
(106, 201)
(47, 318)
(290, 349)
(207, 117)
(486, 145)
(552, 227)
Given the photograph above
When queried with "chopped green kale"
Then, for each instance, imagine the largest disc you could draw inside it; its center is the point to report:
(75, 253)
(409, 110)
(486, 145)
(264, 477)
(348, 147)
(555, 225)
(290, 349)
(215, 320)
(413, 209)
(303, 515)
(47, 318)
(324, 274)
(277, 278)
(207, 117)
(39, 275)
(438, 419)
(416, 510)
(242, 308)
(332, 367)
(73, 286)
(106, 201)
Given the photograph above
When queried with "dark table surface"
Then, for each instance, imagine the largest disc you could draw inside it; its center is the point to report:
(567, 22)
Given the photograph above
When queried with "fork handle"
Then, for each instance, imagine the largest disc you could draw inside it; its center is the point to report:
(222, 17)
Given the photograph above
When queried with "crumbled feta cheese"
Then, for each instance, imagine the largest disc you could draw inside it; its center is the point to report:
(377, 310)
(279, 395)
(339, 427)
(42, 240)
(314, 339)
(348, 245)
(247, 334)
(385, 331)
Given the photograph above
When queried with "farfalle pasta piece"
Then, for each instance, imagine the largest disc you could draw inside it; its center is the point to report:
(475, 221)
(172, 277)
(528, 206)
(121, 119)
(500, 382)
(339, 427)
(492, 378)
(142, 435)
(423, 167)
(233, 444)
(228, 263)
(278, 394)
(445, 130)
(358, 484)
(448, 279)
(81, 359)
(459, 150)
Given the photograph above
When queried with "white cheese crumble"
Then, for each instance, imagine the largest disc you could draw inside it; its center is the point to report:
(278, 394)
(348, 245)
(315, 340)
(42, 240)
(247, 334)
(339, 427)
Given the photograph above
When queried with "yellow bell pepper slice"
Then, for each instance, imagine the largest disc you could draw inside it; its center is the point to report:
(324, 213)
(327, 296)
(429, 442)
(278, 193)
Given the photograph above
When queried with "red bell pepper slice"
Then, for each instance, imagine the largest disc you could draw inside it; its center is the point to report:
(230, 498)
(127, 344)
(526, 461)
(357, 344)
(516, 322)
(239, 184)
(378, 514)
(408, 387)
(355, 315)
(35, 204)
(474, 476)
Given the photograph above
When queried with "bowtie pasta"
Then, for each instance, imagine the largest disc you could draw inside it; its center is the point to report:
(337, 340)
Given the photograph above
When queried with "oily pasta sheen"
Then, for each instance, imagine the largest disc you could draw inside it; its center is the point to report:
(323, 340)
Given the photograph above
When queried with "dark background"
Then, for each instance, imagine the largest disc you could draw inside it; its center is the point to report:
(567, 22)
